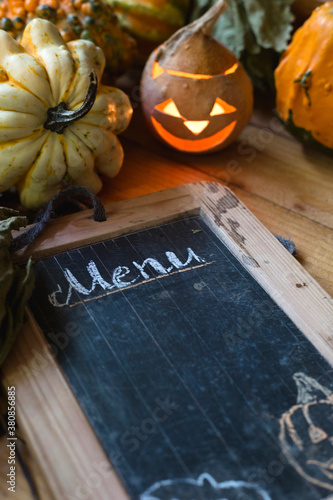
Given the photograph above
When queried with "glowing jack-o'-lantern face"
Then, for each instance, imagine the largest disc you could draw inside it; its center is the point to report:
(196, 112)
(196, 127)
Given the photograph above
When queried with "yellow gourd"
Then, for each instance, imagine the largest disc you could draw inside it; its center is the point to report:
(57, 126)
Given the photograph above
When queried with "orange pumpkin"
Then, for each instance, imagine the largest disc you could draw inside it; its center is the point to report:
(196, 96)
(304, 78)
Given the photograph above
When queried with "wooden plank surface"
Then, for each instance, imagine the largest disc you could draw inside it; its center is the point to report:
(29, 479)
(80, 229)
(288, 187)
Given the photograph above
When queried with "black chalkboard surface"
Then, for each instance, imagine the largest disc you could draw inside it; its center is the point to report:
(195, 381)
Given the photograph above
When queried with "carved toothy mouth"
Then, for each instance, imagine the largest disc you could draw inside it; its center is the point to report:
(195, 145)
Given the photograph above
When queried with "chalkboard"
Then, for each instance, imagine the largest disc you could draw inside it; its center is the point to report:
(170, 343)
(195, 381)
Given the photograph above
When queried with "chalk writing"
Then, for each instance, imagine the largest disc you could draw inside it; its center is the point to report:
(204, 487)
(117, 276)
(309, 390)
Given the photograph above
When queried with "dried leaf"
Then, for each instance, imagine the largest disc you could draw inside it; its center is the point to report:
(271, 22)
(250, 27)
(16, 283)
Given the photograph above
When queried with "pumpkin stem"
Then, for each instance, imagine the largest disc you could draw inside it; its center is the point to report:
(59, 117)
(204, 25)
(206, 22)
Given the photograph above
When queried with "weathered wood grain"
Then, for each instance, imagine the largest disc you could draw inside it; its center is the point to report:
(293, 201)
(261, 162)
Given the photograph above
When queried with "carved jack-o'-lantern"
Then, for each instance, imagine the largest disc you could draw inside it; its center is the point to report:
(196, 95)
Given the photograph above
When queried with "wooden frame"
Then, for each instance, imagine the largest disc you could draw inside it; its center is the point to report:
(47, 410)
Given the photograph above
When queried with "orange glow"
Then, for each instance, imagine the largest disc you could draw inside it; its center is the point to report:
(169, 107)
(232, 69)
(158, 70)
(188, 75)
(197, 145)
(196, 127)
(221, 107)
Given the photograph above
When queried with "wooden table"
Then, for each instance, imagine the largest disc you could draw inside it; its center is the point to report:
(288, 187)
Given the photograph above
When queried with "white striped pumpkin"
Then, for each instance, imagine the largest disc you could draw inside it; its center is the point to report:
(57, 126)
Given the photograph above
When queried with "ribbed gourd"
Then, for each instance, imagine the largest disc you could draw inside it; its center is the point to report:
(304, 79)
(92, 20)
(58, 126)
(151, 20)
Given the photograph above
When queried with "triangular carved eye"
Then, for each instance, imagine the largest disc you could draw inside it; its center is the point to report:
(157, 70)
(221, 107)
(169, 108)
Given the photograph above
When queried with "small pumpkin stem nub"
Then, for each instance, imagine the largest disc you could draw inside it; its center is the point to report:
(59, 117)
(206, 23)
(202, 25)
